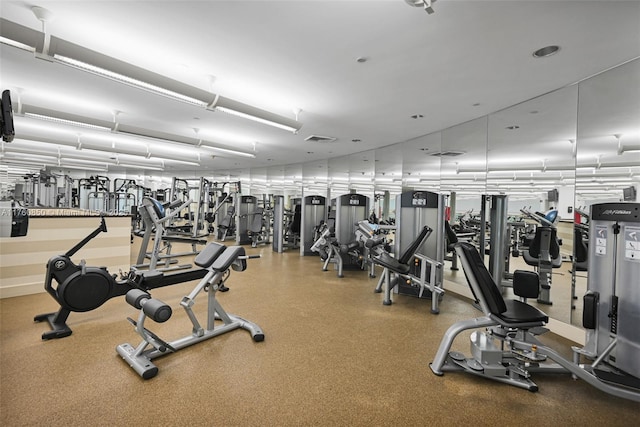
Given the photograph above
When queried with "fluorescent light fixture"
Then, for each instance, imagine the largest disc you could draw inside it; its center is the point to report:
(93, 62)
(28, 143)
(164, 159)
(17, 44)
(229, 151)
(66, 122)
(128, 80)
(102, 125)
(126, 165)
(64, 159)
(426, 4)
(81, 58)
(19, 36)
(54, 164)
(256, 119)
(626, 148)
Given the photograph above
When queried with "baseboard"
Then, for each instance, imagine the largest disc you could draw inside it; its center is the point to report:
(20, 290)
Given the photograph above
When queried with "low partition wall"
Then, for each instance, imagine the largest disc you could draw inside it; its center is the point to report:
(52, 232)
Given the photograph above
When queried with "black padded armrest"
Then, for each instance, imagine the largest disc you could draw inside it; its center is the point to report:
(226, 259)
(526, 284)
(374, 241)
(387, 261)
(209, 254)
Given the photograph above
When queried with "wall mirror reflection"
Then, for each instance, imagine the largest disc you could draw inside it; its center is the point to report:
(530, 193)
(607, 154)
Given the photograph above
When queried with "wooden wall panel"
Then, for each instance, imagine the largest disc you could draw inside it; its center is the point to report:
(23, 259)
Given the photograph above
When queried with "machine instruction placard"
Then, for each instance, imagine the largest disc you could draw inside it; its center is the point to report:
(601, 240)
(632, 243)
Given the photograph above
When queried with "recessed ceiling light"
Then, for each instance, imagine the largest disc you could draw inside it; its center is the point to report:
(356, 140)
(546, 51)
(417, 116)
(362, 59)
(477, 104)
(533, 112)
(513, 127)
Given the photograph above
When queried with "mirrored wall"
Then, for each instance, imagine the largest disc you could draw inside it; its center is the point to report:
(607, 151)
(562, 151)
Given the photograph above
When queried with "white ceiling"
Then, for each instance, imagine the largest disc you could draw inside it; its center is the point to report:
(283, 55)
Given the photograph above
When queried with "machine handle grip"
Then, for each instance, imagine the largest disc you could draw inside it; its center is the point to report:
(180, 206)
(174, 204)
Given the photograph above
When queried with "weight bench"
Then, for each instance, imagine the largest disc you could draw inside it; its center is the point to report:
(508, 350)
(217, 259)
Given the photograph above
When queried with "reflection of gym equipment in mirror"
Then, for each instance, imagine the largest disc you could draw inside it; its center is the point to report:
(278, 243)
(313, 215)
(509, 351)
(542, 251)
(293, 224)
(244, 214)
(342, 238)
(156, 216)
(93, 193)
(38, 190)
(15, 224)
(217, 260)
(369, 243)
(198, 214)
(222, 197)
(451, 239)
(286, 224)
(127, 195)
(258, 228)
(580, 257)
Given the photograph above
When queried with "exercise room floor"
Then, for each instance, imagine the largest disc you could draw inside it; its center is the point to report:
(333, 355)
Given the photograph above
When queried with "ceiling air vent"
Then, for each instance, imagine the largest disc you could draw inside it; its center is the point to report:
(320, 138)
(448, 153)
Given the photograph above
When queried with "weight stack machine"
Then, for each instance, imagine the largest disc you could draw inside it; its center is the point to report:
(314, 210)
(414, 210)
(612, 303)
(350, 208)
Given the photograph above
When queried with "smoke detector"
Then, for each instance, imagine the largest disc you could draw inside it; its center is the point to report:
(426, 4)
